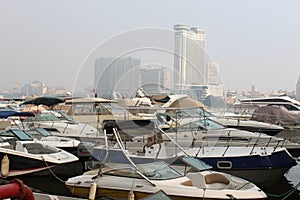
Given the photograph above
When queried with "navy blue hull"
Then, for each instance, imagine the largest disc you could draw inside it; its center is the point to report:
(29, 166)
(261, 170)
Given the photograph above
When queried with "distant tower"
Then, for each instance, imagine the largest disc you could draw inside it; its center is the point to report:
(298, 90)
(154, 80)
(213, 73)
(116, 75)
(189, 58)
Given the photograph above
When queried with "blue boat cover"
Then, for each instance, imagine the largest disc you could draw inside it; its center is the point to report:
(10, 113)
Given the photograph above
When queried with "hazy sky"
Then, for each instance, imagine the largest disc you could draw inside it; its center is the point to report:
(255, 42)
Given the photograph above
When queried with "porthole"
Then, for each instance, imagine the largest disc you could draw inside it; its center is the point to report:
(224, 165)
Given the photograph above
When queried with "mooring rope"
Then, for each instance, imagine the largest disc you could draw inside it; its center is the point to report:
(49, 168)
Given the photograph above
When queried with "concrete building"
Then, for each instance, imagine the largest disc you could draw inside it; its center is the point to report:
(298, 90)
(189, 58)
(192, 71)
(155, 80)
(116, 75)
(213, 73)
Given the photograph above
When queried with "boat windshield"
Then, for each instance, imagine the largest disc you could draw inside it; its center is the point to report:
(62, 115)
(201, 124)
(114, 108)
(19, 134)
(40, 132)
(37, 148)
(47, 116)
(158, 170)
(153, 171)
(190, 113)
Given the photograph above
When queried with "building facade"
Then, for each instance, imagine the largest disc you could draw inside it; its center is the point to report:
(189, 58)
(298, 90)
(213, 73)
(116, 75)
(155, 80)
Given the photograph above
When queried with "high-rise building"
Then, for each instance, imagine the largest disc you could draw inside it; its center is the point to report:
(155, 80)
(298, 89)
(116, 75)
(213, 73)
(189, 58)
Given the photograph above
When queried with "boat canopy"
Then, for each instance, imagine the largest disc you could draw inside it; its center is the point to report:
(275, 115)
(47, 101)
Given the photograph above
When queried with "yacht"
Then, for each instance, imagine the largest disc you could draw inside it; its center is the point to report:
(285, 101)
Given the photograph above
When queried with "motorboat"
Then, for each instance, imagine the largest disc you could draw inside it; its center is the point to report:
(59, 123)
(30, 157)
(150, 178)
(66, 143)
(117, 180)
(204, 131)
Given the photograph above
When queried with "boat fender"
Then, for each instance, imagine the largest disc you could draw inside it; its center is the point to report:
(93, 191)
(131, 195)
(4, 166)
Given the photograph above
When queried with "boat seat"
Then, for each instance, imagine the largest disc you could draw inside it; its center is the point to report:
(187, 183)
(211, 180)
(217, 181)
(216, 178)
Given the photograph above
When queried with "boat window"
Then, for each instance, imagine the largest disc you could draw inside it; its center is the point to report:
(190, 112)
(20, 134)
(224, 165)
(62, 115)
(92, 108)
(291, 107)
(202, 124)
(114, 108)
(43, 117)
(40, 132)
(226, 138)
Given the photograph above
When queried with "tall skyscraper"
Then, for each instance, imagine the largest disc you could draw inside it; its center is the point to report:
(298, 89)
(189, 58)
(116, 75)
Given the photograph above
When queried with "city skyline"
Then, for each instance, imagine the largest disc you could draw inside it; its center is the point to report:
(256, 43)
